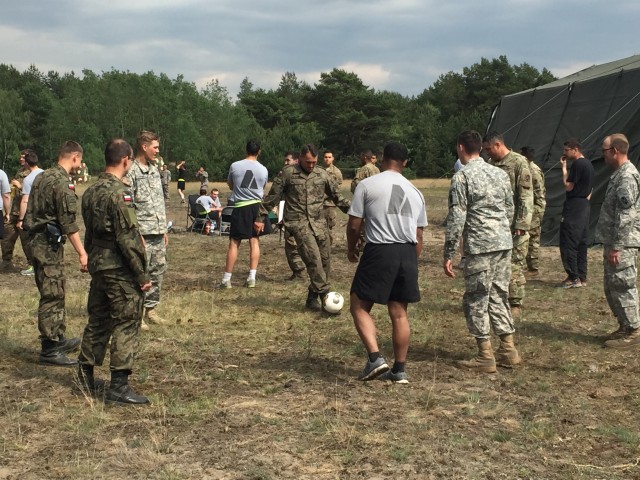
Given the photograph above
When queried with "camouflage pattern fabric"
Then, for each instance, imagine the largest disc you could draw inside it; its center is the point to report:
(336, 174)
(52, 200)
(291, 252)
(331, 218)
(148, 198)
(533, 251)
(518, 266)
(366, 171)
(485, 300)
(304, 194)
(620, 287)
(156, 267)
(517, 167)
(11, 235)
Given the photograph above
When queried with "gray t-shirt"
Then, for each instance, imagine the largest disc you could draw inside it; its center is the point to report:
(392, 206)
(4, 185)
(249, 178)
(28, 181)
(206, 201)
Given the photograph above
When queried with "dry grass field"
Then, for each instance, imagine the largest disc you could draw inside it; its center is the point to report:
(246, 384)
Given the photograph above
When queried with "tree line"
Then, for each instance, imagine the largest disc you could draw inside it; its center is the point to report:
(207, 127)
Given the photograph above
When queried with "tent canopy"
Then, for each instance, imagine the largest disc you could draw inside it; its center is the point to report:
(589, 105)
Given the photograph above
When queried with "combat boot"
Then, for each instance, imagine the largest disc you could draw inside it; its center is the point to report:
(618, 334)
(152, 317)
(507, 355)
(68, 345)
(484, 362)
(313, 302)
(87, 382)
(52, 355)
(121, 393)
(144, 326)
(630, 339)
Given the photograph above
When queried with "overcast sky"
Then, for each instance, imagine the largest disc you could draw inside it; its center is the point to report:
(398, 45)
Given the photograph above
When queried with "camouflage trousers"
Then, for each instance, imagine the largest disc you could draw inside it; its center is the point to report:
(157, 265)
(315, 251)
(330, 216)
(291, 252)
(11, 235)
(533, 253)
(518, 266)
(115, 313)
(485, 300)
(48, 267)
(620, 287)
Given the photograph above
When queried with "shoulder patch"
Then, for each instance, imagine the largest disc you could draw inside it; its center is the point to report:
(72, 187)
(127, 197)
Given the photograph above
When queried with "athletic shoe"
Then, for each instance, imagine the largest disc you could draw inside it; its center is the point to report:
(373, 369)
(568, 283)
(223, 284)
(532, 273)
(400, 377)
(250, 283)
(583, 281)
(28, 272)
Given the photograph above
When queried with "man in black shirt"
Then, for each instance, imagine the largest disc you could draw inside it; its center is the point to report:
(574, 228)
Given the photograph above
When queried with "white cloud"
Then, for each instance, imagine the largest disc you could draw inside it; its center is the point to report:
(370, 74)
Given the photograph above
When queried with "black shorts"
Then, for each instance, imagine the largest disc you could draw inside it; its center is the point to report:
(242, 220)
(181, 185)
(387, 272)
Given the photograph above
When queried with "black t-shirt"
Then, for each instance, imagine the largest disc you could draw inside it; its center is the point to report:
(581, 174)
(181, 173)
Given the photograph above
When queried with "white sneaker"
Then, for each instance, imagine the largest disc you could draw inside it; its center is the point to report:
(28, 272)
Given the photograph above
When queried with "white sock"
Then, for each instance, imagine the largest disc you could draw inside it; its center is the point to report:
(226, 277)
(252, 274)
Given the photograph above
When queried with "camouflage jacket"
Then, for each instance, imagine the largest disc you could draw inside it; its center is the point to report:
(539, 189)
(366, 171)
(148, 198)
(16, 193)
(304, 195)
(517, 167)
(112, 239)
(480, 209)
(52, 200)
(336, 174)
(619, 222)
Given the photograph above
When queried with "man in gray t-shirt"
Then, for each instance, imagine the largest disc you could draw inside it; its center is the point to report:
(247, 179)
(395, 216)
(5, 191)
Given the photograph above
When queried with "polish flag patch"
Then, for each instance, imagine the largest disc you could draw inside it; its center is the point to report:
(72, 187)
(127, 198)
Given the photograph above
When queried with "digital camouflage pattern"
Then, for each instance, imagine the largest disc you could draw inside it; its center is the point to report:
(304, 195)
(480, 209)
(539, 206)
(291, 252)
(366, 171)
(619, 229)
(336, 175)
(485, 301)
(52, 200)
(117, 265)
(156, 267)
(517, 167)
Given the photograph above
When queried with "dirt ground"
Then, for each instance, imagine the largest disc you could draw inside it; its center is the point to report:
(246, 384)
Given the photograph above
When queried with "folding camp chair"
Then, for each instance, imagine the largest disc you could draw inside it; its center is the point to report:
(225, 220)
(192, 213)
(201, 219)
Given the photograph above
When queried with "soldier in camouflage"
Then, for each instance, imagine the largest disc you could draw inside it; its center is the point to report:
(51, 219)
(304, 187)
(368, 169)
(481, 210)
(148, 199)
(329, 207)
(165, 179)
(539, 206)
(618, 230)
(118, 269)
(517, 168)
(11, 231)
(290, 247)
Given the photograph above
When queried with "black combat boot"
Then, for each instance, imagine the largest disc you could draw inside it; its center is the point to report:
(68, 345)
(87, 382)
(121, 393)
(313, 302)
(52, 355)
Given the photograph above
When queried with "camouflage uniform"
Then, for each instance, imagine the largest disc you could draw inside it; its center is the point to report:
(539, 205)
(619, 229)
(304, 195)
(517, 167)
(117, 265)
(367, 170)
(11, 232)
(52, 200)
(481, 209)
(165, 179)
(148, 199)
(329, 207)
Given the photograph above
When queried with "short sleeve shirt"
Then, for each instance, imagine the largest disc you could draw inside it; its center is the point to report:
(392, 206)
(28, 181)
(249, 178)
(4, 185)
(206, 201)
(581, 174)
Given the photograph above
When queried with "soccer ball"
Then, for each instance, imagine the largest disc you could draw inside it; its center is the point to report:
(333, 302)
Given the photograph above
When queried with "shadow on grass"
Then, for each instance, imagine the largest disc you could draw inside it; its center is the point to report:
(322, 368)
(550, 332)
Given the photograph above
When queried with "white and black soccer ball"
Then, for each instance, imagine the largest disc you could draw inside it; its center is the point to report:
(333, 302)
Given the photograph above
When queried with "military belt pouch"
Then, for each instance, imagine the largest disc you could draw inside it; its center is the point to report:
(102, 243)
(55, 236)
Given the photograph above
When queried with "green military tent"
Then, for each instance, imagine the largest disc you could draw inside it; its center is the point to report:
(589, 105)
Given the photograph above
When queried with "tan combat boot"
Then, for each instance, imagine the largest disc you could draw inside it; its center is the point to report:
(507, 355)
(152, 317)
(143, 326)
(630, 339)
(516, 311)
(484, 362)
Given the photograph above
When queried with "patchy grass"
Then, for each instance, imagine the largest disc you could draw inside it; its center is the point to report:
(246, 384)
